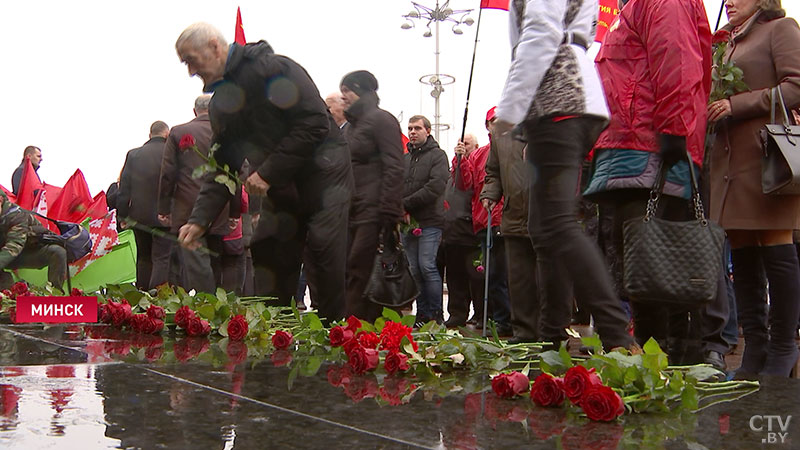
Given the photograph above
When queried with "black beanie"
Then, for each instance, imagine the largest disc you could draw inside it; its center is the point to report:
(360, 82)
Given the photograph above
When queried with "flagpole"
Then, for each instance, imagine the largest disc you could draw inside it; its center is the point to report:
(719, 16)
(469, 90)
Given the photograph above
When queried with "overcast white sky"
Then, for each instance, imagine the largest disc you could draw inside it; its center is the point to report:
(84, 80)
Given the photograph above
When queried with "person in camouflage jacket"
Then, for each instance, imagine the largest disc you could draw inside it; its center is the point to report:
(21, 245)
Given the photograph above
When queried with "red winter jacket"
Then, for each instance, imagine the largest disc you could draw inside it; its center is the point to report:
(655, 65)
(471, 176)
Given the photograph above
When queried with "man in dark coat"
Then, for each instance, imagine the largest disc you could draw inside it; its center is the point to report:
(137, 207)
(266, 109)
(426, 174)
(21, 245)
(178, 191)
(35, 155)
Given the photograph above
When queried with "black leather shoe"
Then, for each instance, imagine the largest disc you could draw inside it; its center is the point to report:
(454, 324)
(520, 340)
(716, 360)
(504, 331)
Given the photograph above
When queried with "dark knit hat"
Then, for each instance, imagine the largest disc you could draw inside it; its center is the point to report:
(360, 82)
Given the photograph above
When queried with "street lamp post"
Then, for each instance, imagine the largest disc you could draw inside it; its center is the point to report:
(437, 80)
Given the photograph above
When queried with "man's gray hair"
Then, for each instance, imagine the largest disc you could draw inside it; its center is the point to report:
(158, 128)
(202, 102)
(200, 33)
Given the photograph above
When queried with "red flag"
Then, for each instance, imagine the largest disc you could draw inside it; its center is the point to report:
(494, 4)
(41, 208)
(103, 232)
(239, 36)
(98, 208)
(9, 194)
(28, 185)
(405, 142)
(608, 12)
(73, 203)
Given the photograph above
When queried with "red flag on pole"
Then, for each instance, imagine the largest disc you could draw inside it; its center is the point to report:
(494, 4)
(29, 186)
(608, 12)
(239, 36)
(73, 202)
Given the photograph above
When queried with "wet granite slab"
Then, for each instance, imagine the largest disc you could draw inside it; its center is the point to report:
(67, 387)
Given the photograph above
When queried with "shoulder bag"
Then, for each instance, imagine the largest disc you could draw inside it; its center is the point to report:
(672, 262)
(391, 283)
(780, 164)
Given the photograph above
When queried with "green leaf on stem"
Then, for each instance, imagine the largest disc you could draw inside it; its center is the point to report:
(500, 363)
(689, 397)
(701, 373)
(593, 342)
(391, 314)
(311, 366)
(206, 311)
(552, 363)
(408, 320)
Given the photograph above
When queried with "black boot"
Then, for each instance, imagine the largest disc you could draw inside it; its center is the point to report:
(783, 272)
(749, 283)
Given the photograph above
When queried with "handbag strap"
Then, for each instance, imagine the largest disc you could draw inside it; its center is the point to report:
(776, 95)
(658, 189)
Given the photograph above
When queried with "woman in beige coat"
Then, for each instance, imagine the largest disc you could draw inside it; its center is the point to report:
(766, 46)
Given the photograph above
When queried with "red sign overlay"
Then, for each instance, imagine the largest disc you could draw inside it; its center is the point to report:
(57, 309)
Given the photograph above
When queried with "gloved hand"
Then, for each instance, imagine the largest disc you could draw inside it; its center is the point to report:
(673, 148)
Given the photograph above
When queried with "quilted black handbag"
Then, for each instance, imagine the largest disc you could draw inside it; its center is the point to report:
(391, 283)
(672, 262)
(780, 164)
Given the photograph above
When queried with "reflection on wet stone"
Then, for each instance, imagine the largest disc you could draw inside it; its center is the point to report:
(99, 387)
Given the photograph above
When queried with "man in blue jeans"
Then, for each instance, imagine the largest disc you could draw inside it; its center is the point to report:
(425, 179)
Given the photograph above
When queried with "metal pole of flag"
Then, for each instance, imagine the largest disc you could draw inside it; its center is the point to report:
(469, 90)
(719, 16)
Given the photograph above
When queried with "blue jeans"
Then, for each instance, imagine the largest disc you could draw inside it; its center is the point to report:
(421, 252)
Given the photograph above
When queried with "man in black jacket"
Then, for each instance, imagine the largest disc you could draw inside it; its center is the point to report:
(34, 154)
(137, 207)
(423, 199)
(266, 109)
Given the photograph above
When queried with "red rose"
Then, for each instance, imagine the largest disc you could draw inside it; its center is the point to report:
(75, 292)
(353, 324)
(395, 362)
(281, 358)
(104, 313)
(392, 336)
(363, 359)
(183, 315)
(186, 142)
(368, 340)
(136, 322)
(155, 325)
(547, 391)
(237, 352)
(508, 385)
(282, 340)
(237, 328)
(602, 403)
(577, 380)
(20, 288)
(7, 293)
(350, 345)
(156, 312)
(120, 312)
(721, 36)
(198, 327)
(339, 335)
(12, 314)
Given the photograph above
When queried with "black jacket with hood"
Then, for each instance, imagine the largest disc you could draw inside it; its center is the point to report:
(425, 181)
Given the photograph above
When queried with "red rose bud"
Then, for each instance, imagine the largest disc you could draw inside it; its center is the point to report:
(417, 232)
(577, 380)
(155, 325)
(237, 328)
(282, 340)
(353, 324)
(20, 288)
(395, 362)
(368, 340)
(339, 335)
(75, 292)
(137, 323)
(197, 327)
(602, 403)
(721, 36)
(508, 385)
(186, 142)
(12, 314)
(351, 345)
(7, 293)
(547, 391)
(363, 359)
(104, 313)
(120, 312)
(183, 315)
(479, 269)
(156, 312)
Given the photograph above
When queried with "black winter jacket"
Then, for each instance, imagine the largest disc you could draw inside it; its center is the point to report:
(376, 152)
(425, 180)
(266, 109)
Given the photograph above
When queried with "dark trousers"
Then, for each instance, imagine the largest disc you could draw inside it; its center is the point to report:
(464, 283)
(361, 255)
(684, 333)
(152, 258)
(523, 286)
(283, 240)
(53, 256)
(556, 150)
(233, 263)
(201, 271)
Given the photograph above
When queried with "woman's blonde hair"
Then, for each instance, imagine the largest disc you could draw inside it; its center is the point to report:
(770, 5)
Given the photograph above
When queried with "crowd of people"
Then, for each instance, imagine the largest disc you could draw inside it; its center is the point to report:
(301, 188)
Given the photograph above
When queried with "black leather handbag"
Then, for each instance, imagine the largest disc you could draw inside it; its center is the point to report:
(391, 283)
(670, 262)
(780, 164)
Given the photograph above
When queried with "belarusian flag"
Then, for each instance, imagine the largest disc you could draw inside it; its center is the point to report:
(494, 4)
(239, 35)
